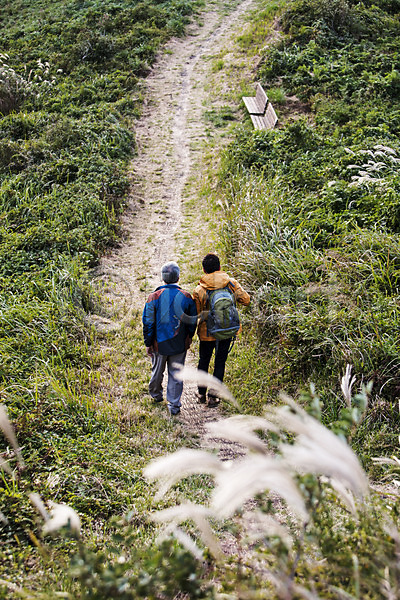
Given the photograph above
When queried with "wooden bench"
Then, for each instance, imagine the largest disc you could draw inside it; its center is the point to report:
(267, 121)
(256, 105)
(261, 111)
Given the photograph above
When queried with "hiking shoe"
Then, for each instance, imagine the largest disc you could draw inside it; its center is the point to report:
(213, 401)
(158, 400)
(201, 398)
(175, 412)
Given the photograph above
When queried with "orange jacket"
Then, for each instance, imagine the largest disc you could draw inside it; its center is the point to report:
(215, 281)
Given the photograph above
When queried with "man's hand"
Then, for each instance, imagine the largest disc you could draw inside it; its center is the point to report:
(149, 351)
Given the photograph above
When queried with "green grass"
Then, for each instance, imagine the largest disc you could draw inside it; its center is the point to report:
(276, 95)
(220, 117)
(86, 442)
(69, 94)
(312, 211)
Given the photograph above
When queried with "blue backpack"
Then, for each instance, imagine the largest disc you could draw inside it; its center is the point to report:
(223, 317)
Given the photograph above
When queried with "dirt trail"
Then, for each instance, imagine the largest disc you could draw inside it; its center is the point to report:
(169, 138)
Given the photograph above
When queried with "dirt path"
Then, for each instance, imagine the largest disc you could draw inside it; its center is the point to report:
(170, 138)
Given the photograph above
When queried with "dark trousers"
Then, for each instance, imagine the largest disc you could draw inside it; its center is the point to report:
(221, 354)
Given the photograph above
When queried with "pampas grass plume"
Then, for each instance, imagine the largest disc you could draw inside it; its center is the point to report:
(251, 476)
(62, 515)
(202, 378)
(347, 384)
(198, 514)
(318, 450)
(170, 469)
(8, 431)
(240, 429)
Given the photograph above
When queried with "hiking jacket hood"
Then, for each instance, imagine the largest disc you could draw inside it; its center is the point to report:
(215, 281)
(169, 319)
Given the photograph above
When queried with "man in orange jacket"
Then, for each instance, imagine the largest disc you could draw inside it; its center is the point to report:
(214, 279)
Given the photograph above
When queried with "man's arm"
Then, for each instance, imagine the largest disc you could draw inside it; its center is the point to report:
(189, 314)
(240, 294)
(149, 325)
(191, 310)
(197, 301)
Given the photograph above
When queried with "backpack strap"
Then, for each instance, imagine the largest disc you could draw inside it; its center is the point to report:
(233, 339)
(231, 287)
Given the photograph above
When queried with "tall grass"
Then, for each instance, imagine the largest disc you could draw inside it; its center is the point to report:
(294, 503)
(311, 209)
(297, 503)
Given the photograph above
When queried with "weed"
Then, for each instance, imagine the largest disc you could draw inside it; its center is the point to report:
(218, 64)
(220, 117)
(276, 95)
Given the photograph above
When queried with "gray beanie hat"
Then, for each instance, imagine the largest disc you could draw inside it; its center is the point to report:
(170, 272)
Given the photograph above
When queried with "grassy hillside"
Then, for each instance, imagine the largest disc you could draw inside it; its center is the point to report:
(311, 227)
(69, 85)
(70, 76)
(313, 208)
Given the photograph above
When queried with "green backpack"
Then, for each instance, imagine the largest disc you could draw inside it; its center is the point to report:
(223, 317)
